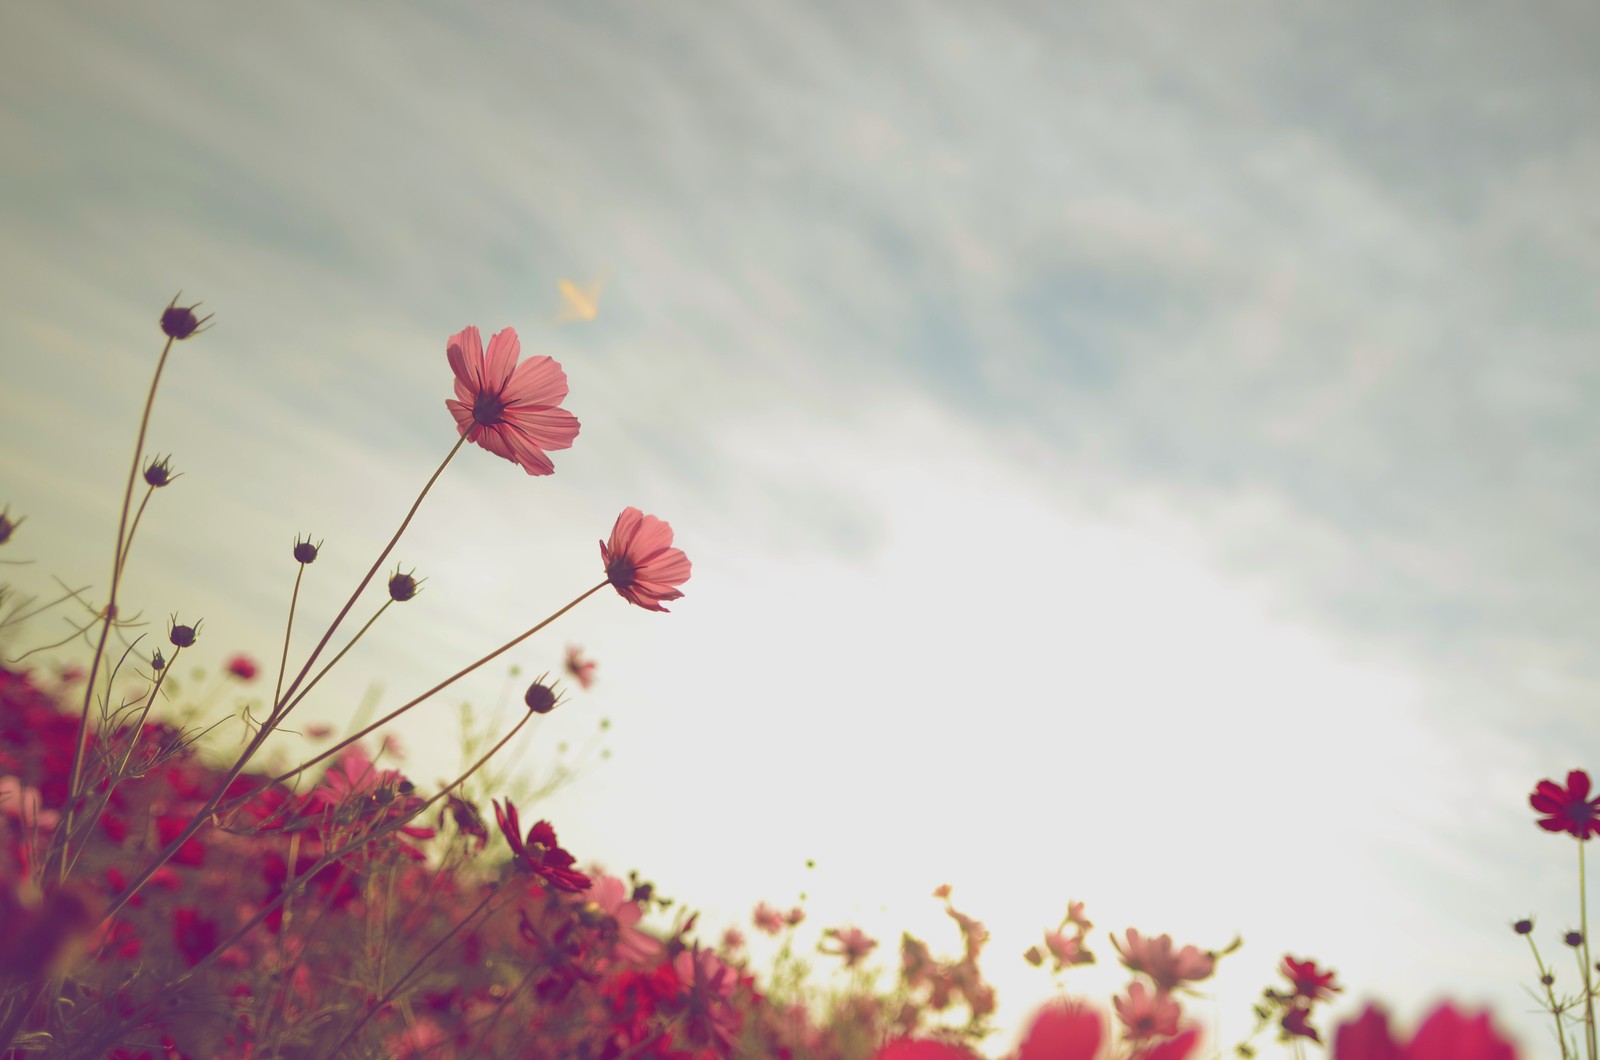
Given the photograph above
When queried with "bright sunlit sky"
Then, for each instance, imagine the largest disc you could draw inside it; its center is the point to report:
(1140, 454)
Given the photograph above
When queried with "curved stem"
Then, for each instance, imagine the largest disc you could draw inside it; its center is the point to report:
(378, 563)
(111, 604)
(133, 528)
(283, 660)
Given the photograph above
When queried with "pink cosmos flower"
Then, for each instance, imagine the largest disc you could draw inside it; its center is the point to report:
(1067, 949)
(580, 669)
(1567, 809)
(768, 919)
(243, 667)
(1156, 958)
(1445, 1035)
(611, 898)
(854, 944)
(508, 408)
(640, 561)
(1147, 1014)
(923, 1049)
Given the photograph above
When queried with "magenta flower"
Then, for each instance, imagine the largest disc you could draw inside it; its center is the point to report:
(1447, 1034)
(1567, 809)
(510, 409)
(243, 667)
(640, 561)
(539, 854)
(854, 944)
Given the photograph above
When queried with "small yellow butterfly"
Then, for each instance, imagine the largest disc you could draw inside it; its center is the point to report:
(579, 303)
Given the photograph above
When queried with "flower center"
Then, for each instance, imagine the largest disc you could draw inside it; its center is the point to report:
(620, 572)
(486, 408)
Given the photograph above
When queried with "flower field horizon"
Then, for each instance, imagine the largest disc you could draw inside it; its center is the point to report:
(148, 896)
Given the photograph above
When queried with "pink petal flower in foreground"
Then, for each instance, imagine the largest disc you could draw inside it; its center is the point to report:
(1567, 809)
(508, 408)
(539, 853)
(1069, 1030)
(1445, 1035)
(641, 563)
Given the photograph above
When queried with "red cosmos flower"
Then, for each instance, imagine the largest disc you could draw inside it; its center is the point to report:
(1567, 809)
(1445, 1035)
(1068, 1030)
(640, 561)
(243, 667)
(1309, 983)
(192, 934)
(580, 669)
(539, 853)
(508, 408)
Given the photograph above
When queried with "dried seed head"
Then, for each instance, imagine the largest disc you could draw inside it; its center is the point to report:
(541, 698)
(305, 551)
(158, 472)
(403, 587)
(182, 636)
(7, 524)
(179, 322)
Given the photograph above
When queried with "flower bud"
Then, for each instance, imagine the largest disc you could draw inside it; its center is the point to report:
(402, 587)
(305, 551)
(1547, 979)
(179, 322)
(158, 472)
(182, 636)
(156, 661)
(1522, 927)
(1573, 939)
(540, 698)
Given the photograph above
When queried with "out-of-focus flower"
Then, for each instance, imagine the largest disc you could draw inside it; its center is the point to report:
(243, 667)
(580, 669)
(539, 853)
(510, 409)
(468, 821)
(923, 1049)
(1446, 1034)
(1567, 809)
(854, 944)
(767, 919)
(194, 935)
(25, 806)
(1156, 958)
(1309, 982)
(709, 1015)
(1070, 1030)
(1075, 915)
(641, 563)
(1147, 1014)
(1067, 950)
(611, 898)
(794, 916)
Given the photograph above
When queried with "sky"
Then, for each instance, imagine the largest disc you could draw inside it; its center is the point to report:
(1128, 453)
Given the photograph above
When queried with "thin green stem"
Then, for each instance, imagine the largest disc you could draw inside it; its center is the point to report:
(331, 663)
(376, 1006)
(133, 528)
(1588, 964)
(283, 660)
(1550, 992)
(441, 686)
(378, 563)
(110, 615)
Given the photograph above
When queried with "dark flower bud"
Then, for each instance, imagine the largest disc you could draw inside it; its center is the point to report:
(8, 524)
(179, 322)
(1522, 927)
(158, 472)
(1573, 939)
(1033, 956)
(541, 699)
(1547, 979)
(305, 551)
(157, 662)
(182, 636)
(402, 587)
